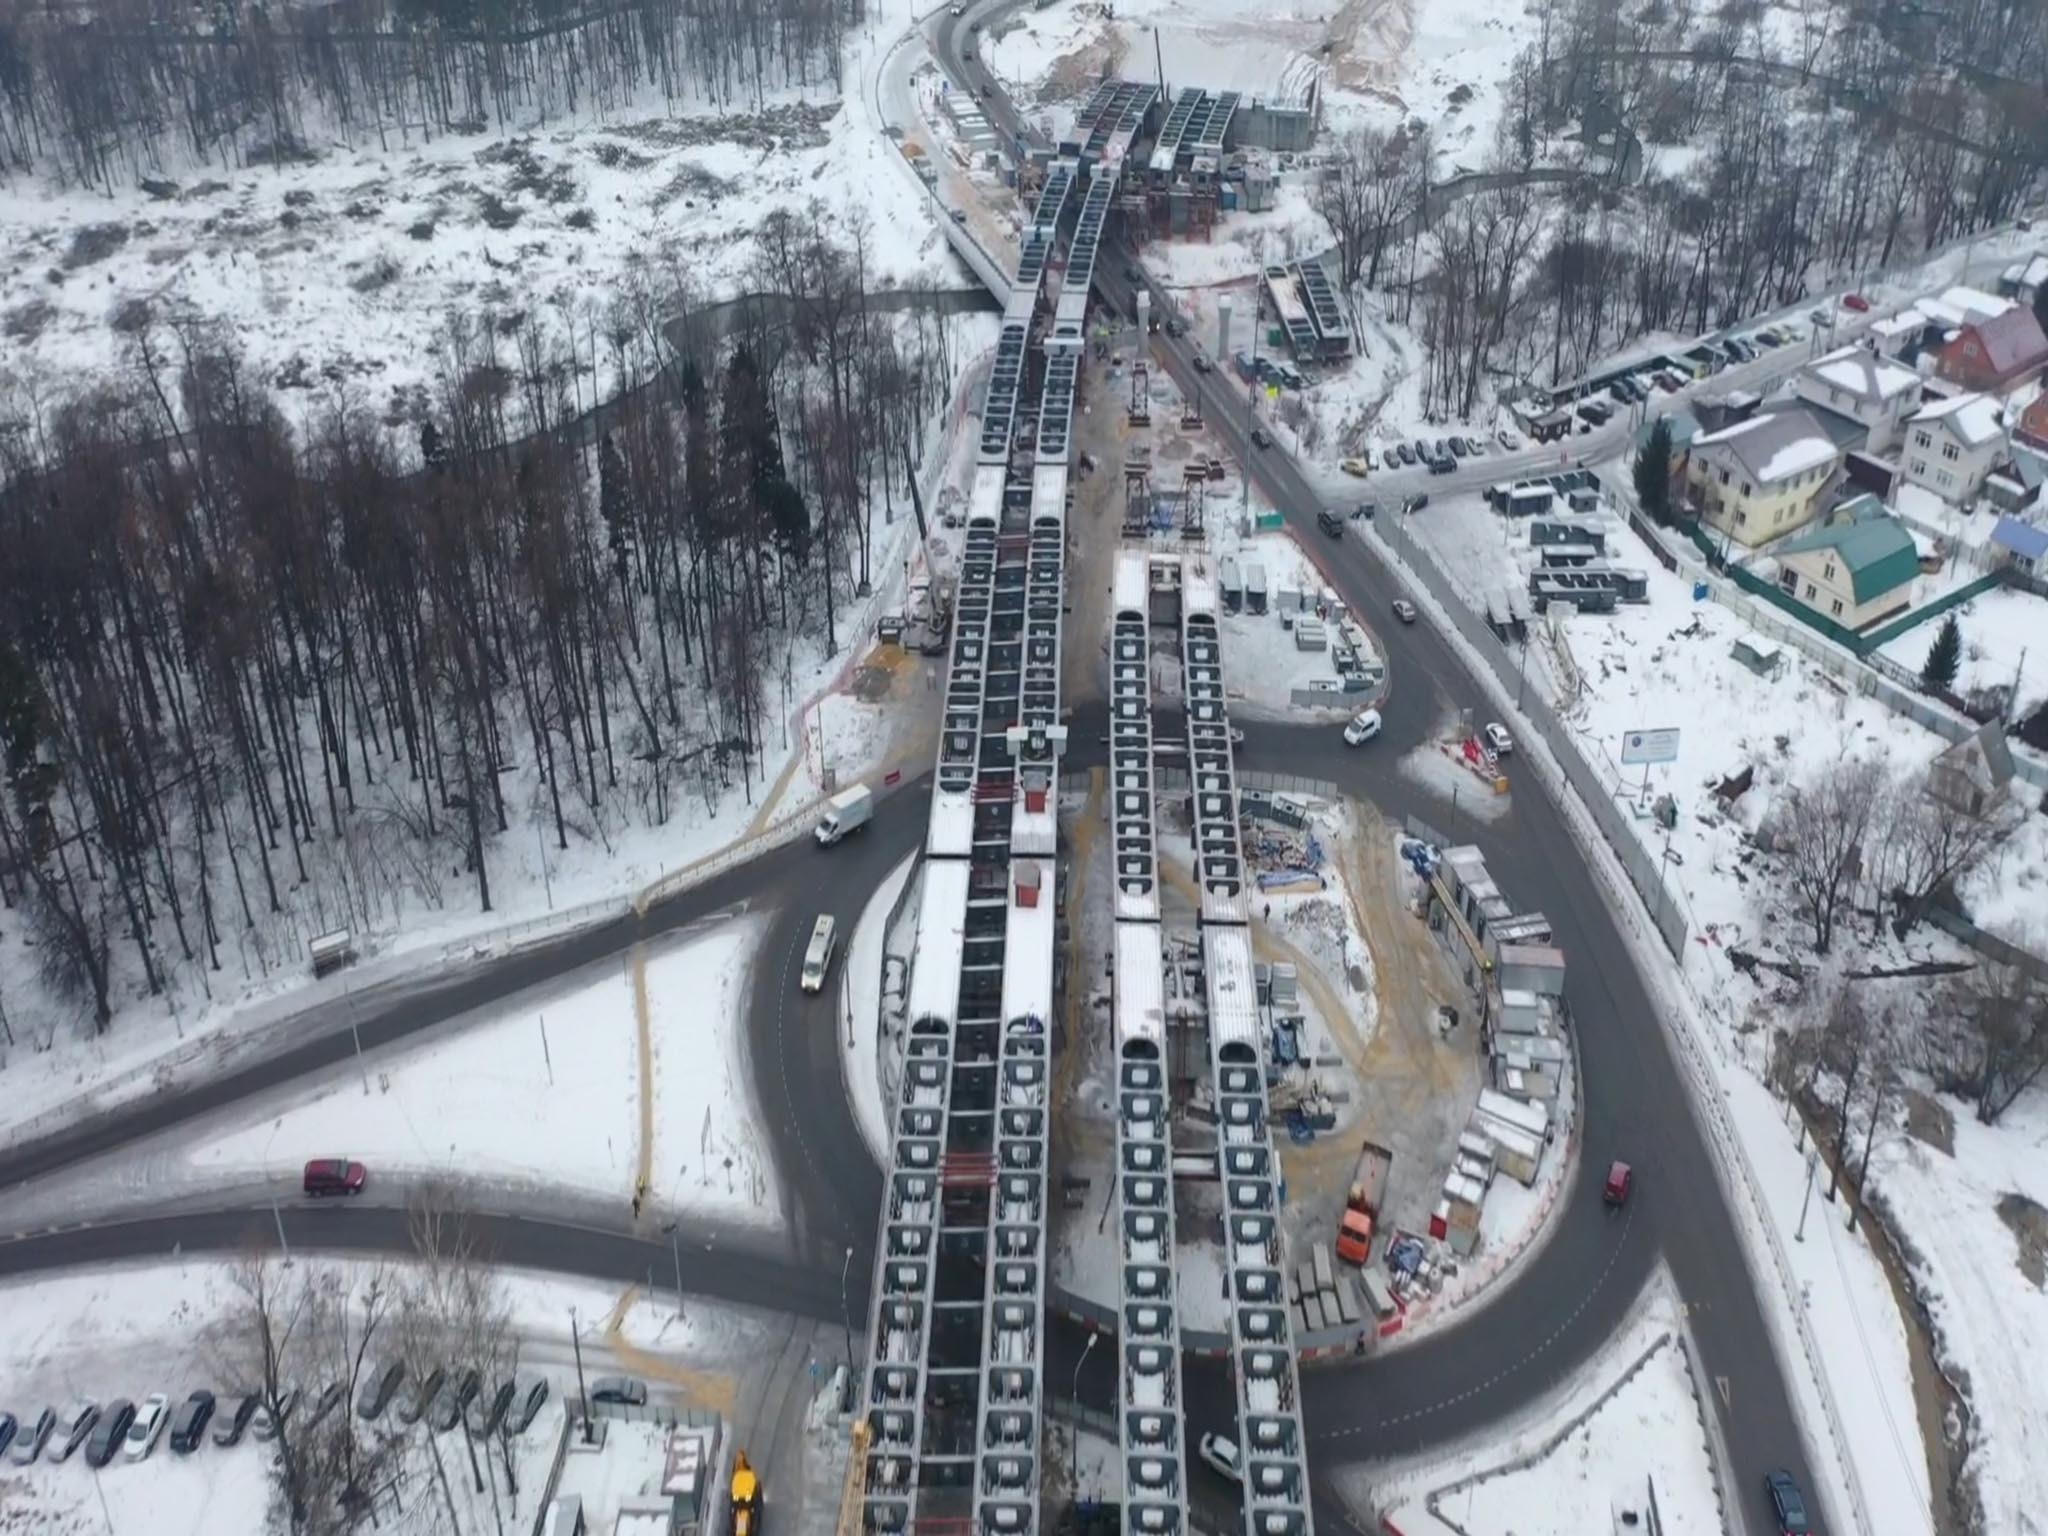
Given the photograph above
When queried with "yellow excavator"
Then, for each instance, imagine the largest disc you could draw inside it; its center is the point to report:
(746, 1497)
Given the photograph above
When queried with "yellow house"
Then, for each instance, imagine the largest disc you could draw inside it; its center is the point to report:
(1761, 478)
(1855, 568)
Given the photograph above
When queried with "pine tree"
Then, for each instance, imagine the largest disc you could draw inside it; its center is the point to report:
(1653, 472)
(2041, 305)
(1944, 658)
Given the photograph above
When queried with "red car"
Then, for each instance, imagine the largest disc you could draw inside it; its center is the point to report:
(1620, 1179)
(334, 1176)
(1855, 301)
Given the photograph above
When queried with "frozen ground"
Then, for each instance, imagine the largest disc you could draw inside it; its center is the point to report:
(547, 1093)
(1634, 1416)
(1264, 663)
(1974, 1218)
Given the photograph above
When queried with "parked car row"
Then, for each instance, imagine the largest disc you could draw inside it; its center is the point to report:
(132, 1430)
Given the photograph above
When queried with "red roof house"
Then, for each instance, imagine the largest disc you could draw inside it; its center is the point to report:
(1996, 355)
(2033, 426)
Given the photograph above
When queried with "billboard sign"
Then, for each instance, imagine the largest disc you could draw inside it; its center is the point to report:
(1655, 746)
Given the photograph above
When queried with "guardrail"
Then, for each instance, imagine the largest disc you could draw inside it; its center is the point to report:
(1677, 1019)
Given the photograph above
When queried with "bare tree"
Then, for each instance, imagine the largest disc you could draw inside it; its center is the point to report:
(1824, 833)
(2004, 1003)
(1931, 842)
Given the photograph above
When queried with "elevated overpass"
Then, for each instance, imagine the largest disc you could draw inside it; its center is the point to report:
(955, 1387)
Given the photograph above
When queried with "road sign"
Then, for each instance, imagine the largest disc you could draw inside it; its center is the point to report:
(1657, 746)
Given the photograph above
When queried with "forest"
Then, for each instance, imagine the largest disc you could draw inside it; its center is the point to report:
(249, 671)
(1731, 160)
(134, 88)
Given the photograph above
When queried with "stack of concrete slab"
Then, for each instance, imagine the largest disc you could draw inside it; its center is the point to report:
(1322, 1298)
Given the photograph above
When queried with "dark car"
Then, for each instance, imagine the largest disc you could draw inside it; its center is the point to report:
(230, 1426)
(108, 1434)
(374, 1394)
(1421, 451)
(329, 1399)
(629, 1390)
(188, 1424)
(1202, 364)
(1261, 438)
(334, 1176)
(1132, 274)
(1176, 327)
(8, 1426)
(1443, 464)
(421, 1399)
(1403, 452)
(1788, 1504)
(487, 1410)
(1330, 523)
(1366, 511)
(1457, 447)
(454, 1401)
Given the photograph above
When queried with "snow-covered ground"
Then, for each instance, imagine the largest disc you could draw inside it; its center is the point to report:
(1634, 1417)
(863, 976)
(1974, 1220)
(548, 1093)
(2005, 640)
(342, 271)
(540, 1094)
(1265, 663)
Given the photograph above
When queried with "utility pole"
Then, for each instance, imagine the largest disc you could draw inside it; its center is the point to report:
(1812, 1158)
(582, 1392)
(846, 1314)
(675, 1250)
(278, 1216)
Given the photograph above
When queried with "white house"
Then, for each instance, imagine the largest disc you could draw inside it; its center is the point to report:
(1952, 444)
(1855, 382)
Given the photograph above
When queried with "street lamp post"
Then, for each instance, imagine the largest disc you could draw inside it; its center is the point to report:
(675, 1250)
(846, 1313)
(1075, 1398)
(582, 1391)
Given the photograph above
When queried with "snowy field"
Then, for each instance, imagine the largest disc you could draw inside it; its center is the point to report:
(1974, 1217)
(341, 272)
(1635, 1415)
(547, 1093)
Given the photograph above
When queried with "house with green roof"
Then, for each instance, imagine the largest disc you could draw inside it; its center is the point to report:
(1856, 567)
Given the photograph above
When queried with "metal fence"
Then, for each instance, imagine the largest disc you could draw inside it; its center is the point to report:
(1644, 871)
(1875, 676)
(1706, 1093)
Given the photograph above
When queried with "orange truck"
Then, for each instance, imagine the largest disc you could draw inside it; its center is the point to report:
(1362, 1206)
(746, 1497)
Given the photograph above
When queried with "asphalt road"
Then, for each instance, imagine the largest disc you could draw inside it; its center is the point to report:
(1555, 1313)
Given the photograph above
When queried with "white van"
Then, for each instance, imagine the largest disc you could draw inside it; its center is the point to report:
(818, 958)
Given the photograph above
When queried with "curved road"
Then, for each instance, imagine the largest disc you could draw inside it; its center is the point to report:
(1553, 1315)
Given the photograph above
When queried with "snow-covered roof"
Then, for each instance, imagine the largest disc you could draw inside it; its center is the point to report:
(1974, 302)
(1131, 580)
(1974, 419)
(941, 936)
(1028, 943)
(2031, 273)
(1862, 373)
(1140, 986)
(1232, 986)
(1774, 447)
(1909, 323)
